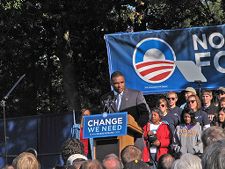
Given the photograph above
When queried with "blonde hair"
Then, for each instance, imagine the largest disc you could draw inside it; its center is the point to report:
(26, 160)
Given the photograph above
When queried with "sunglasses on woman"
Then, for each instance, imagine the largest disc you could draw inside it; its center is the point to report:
(191, 101)
(220, 92)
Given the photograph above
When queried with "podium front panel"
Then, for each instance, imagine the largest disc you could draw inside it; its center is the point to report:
(105, 146)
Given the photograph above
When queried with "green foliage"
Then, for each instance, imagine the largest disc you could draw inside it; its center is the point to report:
(16, 4)
(59, 45)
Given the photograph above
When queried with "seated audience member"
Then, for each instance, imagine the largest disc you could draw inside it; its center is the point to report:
(77, 163)
(8, 167)
(136, 165)
(25, 160)
(130, 153)
(91, 164)
(76, 159)
(88, 143)
(111, 161)
(33, 151)
(172, 100)
(222, 102)
(166, 161)
(214, 156)
(168, 117)
(211, 135)
(70, 147)
(157, 137)
(221, 118)
(207, 104)
(187, 137)
(187, 92)
(187, 161)
(194, 103)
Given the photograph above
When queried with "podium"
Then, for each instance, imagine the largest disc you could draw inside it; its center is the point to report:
(108, 145)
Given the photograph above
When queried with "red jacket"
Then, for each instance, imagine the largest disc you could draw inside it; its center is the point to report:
(163, 135)
(84, 141)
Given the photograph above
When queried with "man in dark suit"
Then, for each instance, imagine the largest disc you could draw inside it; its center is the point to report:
(122, 99)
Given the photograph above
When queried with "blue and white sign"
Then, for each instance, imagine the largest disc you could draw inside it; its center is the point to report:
(169, 60)
(105, 125)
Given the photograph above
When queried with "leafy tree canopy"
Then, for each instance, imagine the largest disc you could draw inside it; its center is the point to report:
(60, 46)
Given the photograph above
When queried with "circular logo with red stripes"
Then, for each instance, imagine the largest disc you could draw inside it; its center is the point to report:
(154, 60)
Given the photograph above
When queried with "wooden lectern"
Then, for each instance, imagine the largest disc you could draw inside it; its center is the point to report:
(104, 146)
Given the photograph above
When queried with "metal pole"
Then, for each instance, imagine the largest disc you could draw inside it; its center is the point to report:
(3, 104)
(4, 128)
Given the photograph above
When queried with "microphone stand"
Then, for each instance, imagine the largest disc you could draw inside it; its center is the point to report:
(108, 104)
(3, 104)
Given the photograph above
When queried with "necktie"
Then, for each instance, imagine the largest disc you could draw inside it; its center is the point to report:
(118, 102)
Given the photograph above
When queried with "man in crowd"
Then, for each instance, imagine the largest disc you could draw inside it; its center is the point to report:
(207, 104)
(172, 100)
(188, 92)
(211, 135)
(166, 161)
(221, 92)
(112, 161)
(131, 157)
(122, 99)
(214, 156)
(130, 153)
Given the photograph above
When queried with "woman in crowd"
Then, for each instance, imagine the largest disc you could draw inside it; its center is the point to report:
(168, 117)
(87, 142)
(222, 102)
(156, 136)
(194, 103)
(187, 138)
(221, 118)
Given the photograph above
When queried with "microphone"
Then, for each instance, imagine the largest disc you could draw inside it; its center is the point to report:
(108, 102)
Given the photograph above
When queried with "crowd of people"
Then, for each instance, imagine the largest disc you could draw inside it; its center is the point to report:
(189, 136)
(131, 157)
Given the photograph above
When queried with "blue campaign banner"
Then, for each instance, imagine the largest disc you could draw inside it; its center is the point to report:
(105, 125)
(169, 60)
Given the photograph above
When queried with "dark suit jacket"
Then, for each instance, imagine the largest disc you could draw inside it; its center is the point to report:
(132, 102)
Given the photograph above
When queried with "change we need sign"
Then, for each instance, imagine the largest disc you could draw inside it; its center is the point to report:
(105, 125)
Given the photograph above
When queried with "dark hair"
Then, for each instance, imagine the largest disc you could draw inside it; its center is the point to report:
(72, 146)
(191, 113)
(116, 74)
(222, 109)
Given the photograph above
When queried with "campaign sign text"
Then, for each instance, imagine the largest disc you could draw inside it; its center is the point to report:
(158, 61)
(105, 125)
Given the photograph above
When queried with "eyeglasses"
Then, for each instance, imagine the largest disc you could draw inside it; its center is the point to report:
(220, 92)
(191, 101)
(171, 98)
